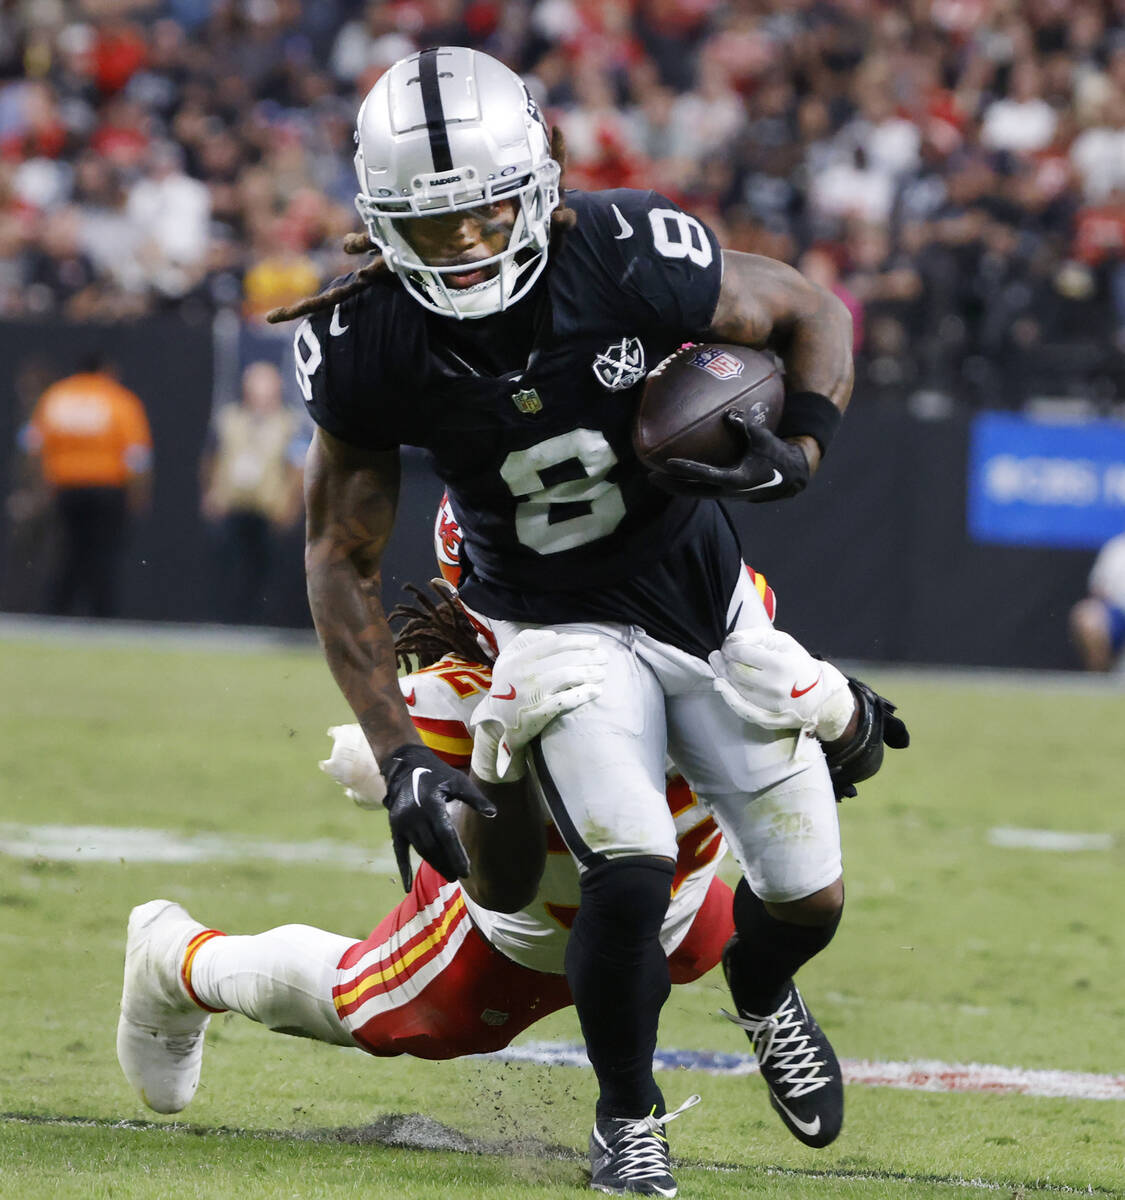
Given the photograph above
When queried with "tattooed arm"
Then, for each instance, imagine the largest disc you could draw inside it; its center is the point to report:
(350, 497)
(764, 303)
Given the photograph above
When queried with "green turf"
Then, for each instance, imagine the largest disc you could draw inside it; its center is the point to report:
(950, 949)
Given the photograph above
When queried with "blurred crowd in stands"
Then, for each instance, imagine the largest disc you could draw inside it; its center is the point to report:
(953, 169)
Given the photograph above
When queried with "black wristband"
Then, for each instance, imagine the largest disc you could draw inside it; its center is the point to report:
(408, 756)
(809, 414)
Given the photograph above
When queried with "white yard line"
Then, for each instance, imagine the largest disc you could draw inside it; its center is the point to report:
(103, 843)
(250, 638)
(1013, 838)
(948, 675)
(153, 635)
(415, 1131)
(107, 843)
(923, 1076)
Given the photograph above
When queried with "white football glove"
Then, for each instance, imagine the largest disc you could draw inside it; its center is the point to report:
(771, 680)
(539, 675)
(353, 766)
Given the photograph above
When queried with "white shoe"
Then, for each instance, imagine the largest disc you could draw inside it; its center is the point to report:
(160, 1031)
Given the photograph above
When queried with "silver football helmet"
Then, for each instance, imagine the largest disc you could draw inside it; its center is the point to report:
(445, 130)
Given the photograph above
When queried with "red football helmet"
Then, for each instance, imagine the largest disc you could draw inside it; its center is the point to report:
(447, 549)
(447, 542)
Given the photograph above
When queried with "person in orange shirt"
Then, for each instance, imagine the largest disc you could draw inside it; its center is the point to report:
(92, 441)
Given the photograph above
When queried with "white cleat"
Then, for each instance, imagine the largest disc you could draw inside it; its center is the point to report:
(160, 1031)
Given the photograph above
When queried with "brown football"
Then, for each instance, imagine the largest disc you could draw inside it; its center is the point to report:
(685, 398)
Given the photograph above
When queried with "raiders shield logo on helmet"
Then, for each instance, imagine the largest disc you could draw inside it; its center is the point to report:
(621, 364)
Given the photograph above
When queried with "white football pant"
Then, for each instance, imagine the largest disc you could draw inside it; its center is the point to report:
(602, 767)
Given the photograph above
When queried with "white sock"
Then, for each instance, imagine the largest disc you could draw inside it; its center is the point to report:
(281, 978)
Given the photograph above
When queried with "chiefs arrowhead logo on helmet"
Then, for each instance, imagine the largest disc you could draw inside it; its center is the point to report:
(447, 542)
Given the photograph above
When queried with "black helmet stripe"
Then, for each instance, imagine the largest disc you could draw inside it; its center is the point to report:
(435, 114)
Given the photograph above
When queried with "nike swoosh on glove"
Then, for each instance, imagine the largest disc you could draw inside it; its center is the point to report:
(769, 469)
(419, 789)
(772, 681)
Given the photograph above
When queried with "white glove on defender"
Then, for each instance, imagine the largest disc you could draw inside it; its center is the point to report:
(771, 680)
(539, 675)
(353, 766)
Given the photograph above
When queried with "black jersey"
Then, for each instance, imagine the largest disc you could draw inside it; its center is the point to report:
(528, 414)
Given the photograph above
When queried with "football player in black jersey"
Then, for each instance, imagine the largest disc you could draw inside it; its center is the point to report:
(506, 327)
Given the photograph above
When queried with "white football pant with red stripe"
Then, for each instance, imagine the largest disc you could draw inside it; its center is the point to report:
(425, 982)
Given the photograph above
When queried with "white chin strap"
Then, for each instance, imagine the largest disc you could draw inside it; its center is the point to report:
(481, 299)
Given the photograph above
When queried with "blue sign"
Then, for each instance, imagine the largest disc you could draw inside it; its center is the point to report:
(1042, 483)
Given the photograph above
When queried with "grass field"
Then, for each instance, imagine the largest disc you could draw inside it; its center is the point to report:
(951, 949)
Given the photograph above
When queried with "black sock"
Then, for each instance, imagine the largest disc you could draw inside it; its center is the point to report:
(765, 953)
(618, 976)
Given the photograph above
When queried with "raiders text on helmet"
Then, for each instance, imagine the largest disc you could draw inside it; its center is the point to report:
(446, 130)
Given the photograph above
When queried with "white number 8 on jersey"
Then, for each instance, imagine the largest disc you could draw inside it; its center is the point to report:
(677, 235)
(564, 497)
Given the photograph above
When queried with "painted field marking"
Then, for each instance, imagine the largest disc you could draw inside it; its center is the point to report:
(101, 843)
(107, 843)
(416, 1131)
(923, 1076)
(1013, 838)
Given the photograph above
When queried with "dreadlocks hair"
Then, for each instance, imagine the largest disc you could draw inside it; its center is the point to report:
(354, 243)
(563, 219)
(433, 629)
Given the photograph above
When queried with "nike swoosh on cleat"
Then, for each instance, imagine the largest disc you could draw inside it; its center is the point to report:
(811, 1128)
(777, 478)
(797, 692)
(418, 772)
(625, 227)
(410, 698)
(508, 695)
(335, 328)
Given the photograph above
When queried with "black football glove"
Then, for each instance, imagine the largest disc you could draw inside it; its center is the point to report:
(770, 468)
(419, 789)
(862, 756)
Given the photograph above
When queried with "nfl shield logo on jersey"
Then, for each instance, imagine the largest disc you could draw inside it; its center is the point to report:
(621, 364)
(720, 363)
(528, 401)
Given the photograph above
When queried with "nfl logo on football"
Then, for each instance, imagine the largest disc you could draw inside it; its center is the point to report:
(620, 365)
(720, 363)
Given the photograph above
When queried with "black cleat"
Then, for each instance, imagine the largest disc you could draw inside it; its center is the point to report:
(629, 1155)
(799, 1066)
